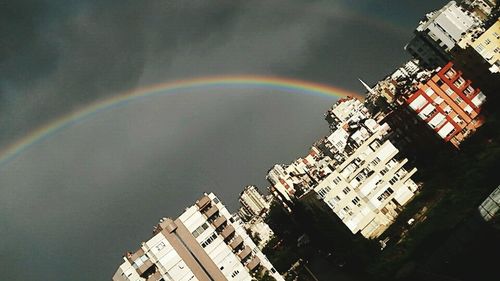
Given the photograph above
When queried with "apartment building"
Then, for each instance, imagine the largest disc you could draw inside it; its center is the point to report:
(253, 202)
(448, 104)
(356, 171)
(370, 187)
(204, 243)
(488, 47)
(439, 33)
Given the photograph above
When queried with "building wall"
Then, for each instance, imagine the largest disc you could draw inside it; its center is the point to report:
(488, 46)
(204, 243)
(367, 191)
(253, 201)
(449, 104)
(439, 33)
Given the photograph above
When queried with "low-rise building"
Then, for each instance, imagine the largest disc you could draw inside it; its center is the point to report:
(203, 243)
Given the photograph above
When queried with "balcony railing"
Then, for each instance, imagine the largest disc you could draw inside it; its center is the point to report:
(254, 263)
(203, 202)
(220, 221)
(210, 212)
(237, 241)
(245, 253)
(228, 230)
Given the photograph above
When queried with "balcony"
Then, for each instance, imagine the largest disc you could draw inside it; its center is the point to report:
(228, 231)
(219, 222)
(211, 212)
(237, 241)
(245, 253)
(254, 263)
(203, 202)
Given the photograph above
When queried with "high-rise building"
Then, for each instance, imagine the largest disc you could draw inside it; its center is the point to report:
(204, 243)
(356, 171)
(253, 201)
(369, 184)
(448, 104)
(439, 33)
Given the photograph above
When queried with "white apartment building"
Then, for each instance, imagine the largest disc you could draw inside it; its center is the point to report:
(203, 243)
(439, 33)
(369, 188)
(356, 171)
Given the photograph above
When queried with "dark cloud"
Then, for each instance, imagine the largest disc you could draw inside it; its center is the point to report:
(70, 206)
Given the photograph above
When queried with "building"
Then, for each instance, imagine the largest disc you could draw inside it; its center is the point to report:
(356, 171)
(369, 186)
(439, 33)
(253, 202)
(488, 47)
(490, 207)
(204, 243)
(448, 104)
(481, 8)
(292, 181)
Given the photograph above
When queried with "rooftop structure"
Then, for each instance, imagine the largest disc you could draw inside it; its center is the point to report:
(439, 33)
(204, 243)
(449, 104)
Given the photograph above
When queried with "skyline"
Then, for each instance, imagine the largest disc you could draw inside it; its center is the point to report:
(78, 53)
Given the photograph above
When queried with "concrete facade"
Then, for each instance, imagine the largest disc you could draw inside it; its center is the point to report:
(203, 243)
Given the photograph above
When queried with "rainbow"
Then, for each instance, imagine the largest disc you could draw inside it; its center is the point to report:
(243, 81)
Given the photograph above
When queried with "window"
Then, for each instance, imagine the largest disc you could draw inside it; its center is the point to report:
(209, 240)
(356, 201)
(324, 191)
(336, 180)
(487, 41)
(460, 81)
(216, 200)
(480, 48)
(497, 50)
(450, 73)
(447, 109)
(458, 100)
(198, 231)
(449, 91)
(375, 161)
(348, 210)
(346, 190)
(384, 171)
(439, 82)
(393, 180)
(236, 272)
(385, 195)
(469, 90)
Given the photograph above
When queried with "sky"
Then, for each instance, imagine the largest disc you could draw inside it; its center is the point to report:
(71, 205)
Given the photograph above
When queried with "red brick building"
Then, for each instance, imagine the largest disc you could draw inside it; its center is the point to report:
(448, 104)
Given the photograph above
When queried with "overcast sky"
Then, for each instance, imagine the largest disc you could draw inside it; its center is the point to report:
(73, 204)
